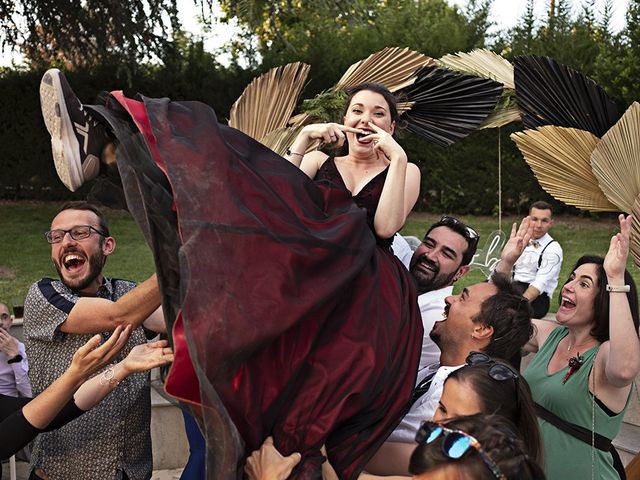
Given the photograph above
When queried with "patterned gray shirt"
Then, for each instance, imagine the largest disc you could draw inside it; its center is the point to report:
(112, 438)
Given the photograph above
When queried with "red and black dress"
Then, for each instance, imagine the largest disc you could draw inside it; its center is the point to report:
(291, 318)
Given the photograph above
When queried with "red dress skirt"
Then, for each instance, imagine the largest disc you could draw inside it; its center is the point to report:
(292, 318)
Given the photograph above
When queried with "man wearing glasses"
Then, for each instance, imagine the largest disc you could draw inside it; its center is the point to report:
(113, 440)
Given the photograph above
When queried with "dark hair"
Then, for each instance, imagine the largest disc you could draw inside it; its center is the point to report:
(600, 328)
(509, 313)
(389, 97)
(510, 398)
(82, 205)
(498, 439)
(461, 229)
(541, 205)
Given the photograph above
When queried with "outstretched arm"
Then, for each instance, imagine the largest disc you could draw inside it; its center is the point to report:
(94, 315)
(89, 358)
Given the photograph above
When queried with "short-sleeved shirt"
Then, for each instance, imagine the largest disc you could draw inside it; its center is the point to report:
(112, 438)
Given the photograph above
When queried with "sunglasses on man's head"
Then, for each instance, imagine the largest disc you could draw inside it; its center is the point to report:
(449, 221)
(455, 443)
(497, 371)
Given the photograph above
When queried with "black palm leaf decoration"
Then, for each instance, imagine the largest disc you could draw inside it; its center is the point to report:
(549, 93)
(447, 106)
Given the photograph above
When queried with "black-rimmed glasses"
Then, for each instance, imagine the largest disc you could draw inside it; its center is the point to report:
(497, 371)
(79, 232)
(455, 443)
(4, 317)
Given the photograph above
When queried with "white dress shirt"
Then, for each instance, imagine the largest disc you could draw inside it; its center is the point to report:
(545, 278)
(402, 249)
(424, 408)
(432, 310)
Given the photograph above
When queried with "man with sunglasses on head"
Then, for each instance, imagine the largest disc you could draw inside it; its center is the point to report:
(441, 259)
(113, 440)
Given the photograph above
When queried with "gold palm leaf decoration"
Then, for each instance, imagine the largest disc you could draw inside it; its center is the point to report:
(268, 102)
(486, 64)
(560, 160)
(635, 232)
(502, 116)
(482, 63)
(616, 160)
(393, 67)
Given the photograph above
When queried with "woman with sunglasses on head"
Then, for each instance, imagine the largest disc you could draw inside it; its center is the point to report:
(477, 447)
(301, 322)
(581, 377)
(483, 386)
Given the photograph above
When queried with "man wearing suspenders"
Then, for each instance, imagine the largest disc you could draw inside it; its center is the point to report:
(537, 270)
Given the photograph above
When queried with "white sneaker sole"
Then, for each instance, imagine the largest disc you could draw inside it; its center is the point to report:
(64, 144)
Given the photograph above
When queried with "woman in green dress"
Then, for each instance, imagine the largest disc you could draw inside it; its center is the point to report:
(581, 377)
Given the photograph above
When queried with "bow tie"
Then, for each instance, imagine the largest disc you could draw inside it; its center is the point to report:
(534, 243)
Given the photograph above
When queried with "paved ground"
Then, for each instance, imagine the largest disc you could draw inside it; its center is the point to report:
(22, 472)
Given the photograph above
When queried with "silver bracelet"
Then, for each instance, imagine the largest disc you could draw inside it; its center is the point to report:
(618, 288)
(108, 377)
(289, 152)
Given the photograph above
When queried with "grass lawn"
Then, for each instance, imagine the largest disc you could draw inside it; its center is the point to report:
(25, 255)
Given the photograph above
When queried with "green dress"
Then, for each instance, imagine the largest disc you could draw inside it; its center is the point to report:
(566, 457)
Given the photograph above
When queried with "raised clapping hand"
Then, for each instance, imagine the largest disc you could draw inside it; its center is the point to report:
(516, 244)
(615, 261)
(8, 344)
(147, 356)
(269, 464)
(90, 357)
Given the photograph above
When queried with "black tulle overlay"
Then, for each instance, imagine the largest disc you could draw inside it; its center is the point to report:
(291, 318)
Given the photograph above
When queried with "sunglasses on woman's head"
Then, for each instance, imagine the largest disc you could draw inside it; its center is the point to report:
(455, 443)
(497, 371)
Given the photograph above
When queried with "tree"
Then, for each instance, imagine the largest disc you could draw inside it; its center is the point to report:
(77, 33)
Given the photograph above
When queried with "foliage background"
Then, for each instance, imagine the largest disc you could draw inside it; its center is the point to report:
(328, 35)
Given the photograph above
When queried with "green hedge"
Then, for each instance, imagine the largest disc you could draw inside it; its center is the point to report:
(462, 178)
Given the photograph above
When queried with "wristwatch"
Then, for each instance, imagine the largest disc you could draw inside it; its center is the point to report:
(618, 288)
(16, 359)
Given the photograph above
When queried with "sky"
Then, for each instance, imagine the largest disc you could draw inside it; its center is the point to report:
(505, 14)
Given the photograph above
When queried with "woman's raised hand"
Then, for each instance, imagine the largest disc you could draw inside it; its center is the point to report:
(615, 261)
(384, 143)
(147, 356)
(328, 132)
(92, 356)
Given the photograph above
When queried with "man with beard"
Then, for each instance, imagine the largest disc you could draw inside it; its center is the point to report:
(488, 317)
(441, 259)
(113, 440)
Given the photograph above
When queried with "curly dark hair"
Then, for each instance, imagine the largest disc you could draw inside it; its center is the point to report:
(509, 313)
